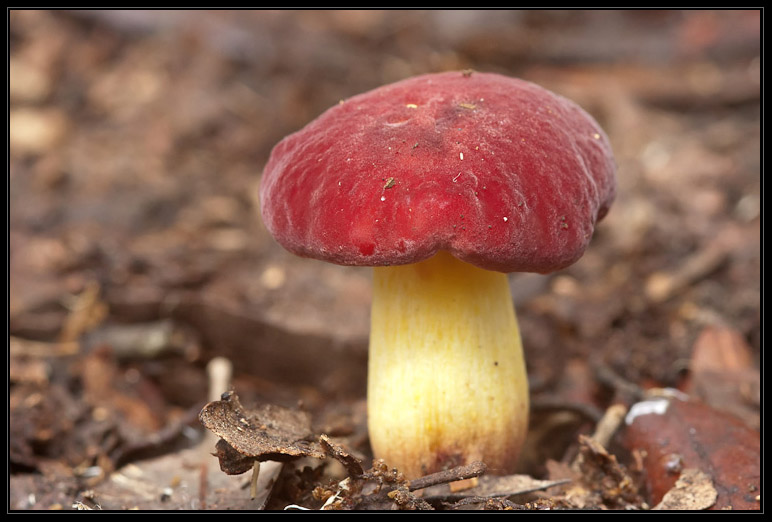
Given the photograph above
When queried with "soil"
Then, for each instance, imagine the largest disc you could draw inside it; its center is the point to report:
(142, 284)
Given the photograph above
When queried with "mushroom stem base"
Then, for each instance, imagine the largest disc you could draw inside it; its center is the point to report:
(447, 382)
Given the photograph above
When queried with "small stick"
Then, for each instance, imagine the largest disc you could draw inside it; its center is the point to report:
(609, 424)
(475, 469)
(604, 430)
(253, 483)
(219, 370)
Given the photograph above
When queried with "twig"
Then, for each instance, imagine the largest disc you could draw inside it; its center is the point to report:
(253, 481)
(604, 430)
(475, 469)
(219, 370)
(609, 424)
(489, 503)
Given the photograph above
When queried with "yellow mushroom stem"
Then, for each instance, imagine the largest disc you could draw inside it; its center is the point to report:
(447, 382)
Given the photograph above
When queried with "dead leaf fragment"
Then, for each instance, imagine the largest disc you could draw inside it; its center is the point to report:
(723, 375)
(352, 464)
(692, 491)
(605, 478)
(267, 433)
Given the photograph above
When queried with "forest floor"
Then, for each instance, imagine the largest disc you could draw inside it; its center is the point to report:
(143, 284)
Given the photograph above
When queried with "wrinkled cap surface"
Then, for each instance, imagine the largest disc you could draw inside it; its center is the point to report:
(500, 172)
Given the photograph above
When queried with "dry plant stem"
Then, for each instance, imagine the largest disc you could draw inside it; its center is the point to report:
(253, 480)
(475, 469)
(447, 384)
(219, 371)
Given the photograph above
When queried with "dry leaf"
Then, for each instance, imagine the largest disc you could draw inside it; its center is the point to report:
(267, 433)
(675, 434)
(723, 374)
(692, 491)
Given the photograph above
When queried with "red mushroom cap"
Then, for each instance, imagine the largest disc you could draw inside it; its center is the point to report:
(500, 172)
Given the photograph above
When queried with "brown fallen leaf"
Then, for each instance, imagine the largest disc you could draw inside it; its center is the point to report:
(266, 433)
(723, 375)
(675, 434)
(106, 389)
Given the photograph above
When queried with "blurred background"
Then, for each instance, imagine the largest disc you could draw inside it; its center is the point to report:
(136, 254)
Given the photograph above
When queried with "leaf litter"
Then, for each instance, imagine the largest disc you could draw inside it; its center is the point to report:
(137, 223)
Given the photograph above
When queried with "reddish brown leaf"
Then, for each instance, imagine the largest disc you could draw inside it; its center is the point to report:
(723, 374)
(676, 434)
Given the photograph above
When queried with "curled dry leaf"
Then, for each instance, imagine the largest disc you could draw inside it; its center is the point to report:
(266, 433)
(675, 435)
(352, 464)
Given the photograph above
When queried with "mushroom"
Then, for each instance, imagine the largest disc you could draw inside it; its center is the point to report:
(444, 183)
